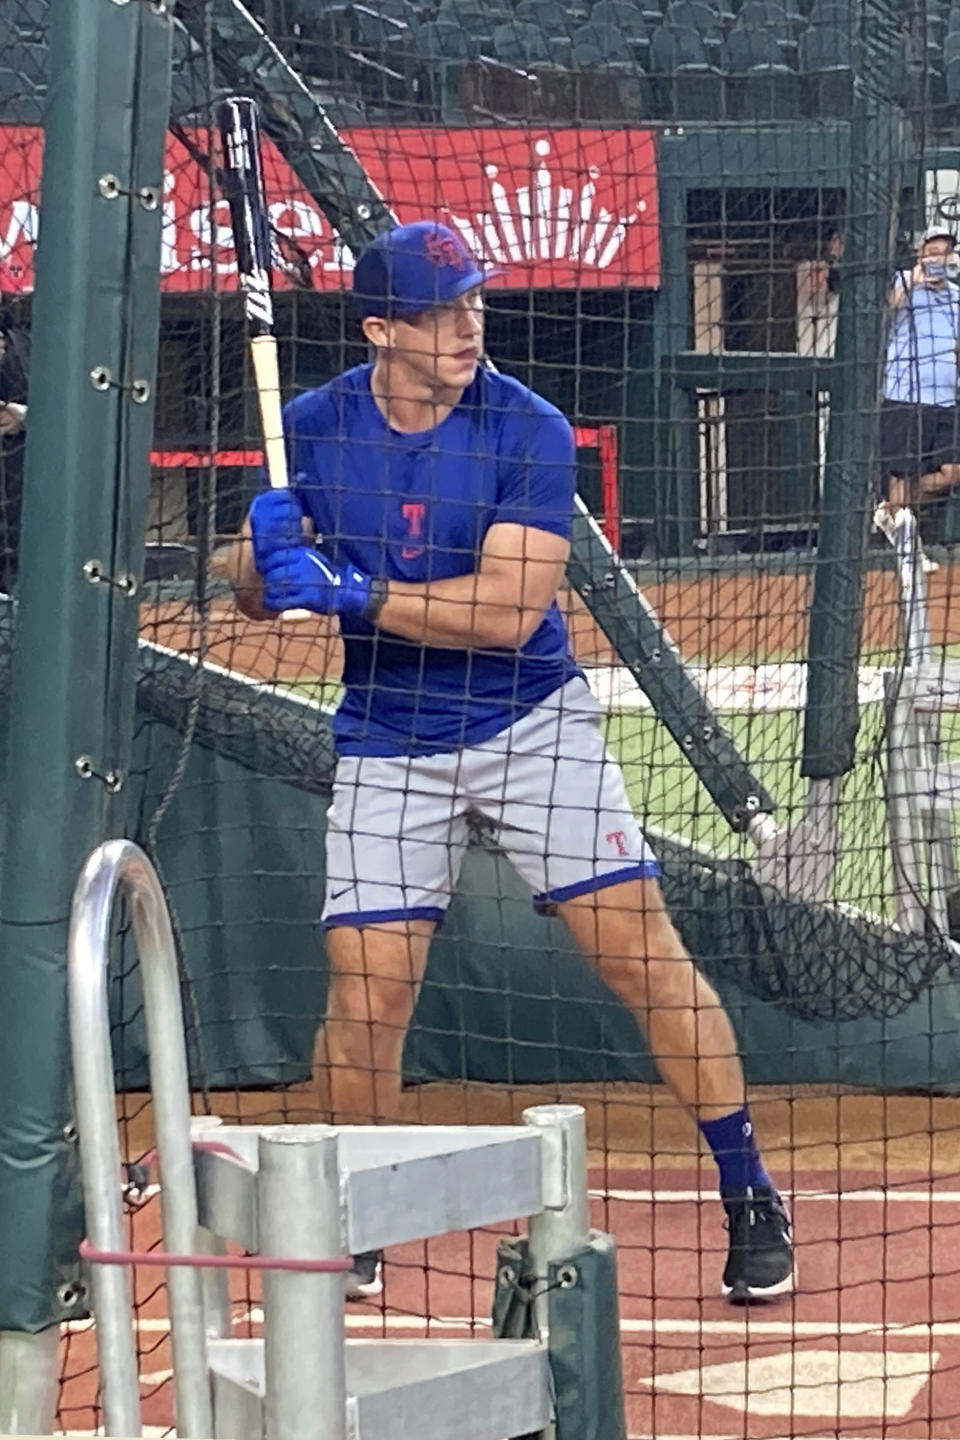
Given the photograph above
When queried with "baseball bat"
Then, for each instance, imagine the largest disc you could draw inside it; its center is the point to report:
(243, 187)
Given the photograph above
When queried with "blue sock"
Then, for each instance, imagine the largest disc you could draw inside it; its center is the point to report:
(735, 1151)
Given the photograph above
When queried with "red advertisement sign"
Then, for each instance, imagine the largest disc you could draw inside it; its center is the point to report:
(553, 208)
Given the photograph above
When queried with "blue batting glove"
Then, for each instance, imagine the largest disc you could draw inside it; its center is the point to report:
(300, 578)
(275, 522)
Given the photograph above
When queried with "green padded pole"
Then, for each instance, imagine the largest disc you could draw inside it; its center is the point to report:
(90, 419)
(876, 154)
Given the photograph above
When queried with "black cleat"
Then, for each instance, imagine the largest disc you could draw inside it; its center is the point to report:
(365, 1279)
(760, 1264)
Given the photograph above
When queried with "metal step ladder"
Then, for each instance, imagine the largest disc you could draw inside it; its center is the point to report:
(301, 1193)
(923, 785)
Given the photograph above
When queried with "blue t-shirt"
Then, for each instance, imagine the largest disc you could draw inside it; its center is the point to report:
(416, 508)
(921, 364)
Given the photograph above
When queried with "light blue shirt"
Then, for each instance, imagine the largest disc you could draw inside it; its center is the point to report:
(921, 367)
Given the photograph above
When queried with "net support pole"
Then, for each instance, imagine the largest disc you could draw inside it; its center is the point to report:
(89, 428)
(298, 1198)
(28, 1382)
(875, 161)
(637, 636)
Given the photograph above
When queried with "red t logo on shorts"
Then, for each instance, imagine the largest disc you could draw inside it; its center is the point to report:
(618, 838)
(413, 512)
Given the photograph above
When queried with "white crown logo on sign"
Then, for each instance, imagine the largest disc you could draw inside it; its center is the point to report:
(546, 220)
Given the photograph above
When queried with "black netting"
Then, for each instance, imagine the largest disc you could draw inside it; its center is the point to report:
(699, 208)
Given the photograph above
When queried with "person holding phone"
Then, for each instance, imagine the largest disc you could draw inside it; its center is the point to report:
(918, 421)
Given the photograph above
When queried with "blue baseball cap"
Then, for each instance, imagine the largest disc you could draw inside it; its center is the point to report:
(413, 268)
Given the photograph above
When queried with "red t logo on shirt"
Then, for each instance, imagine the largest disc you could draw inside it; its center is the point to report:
(413, 512)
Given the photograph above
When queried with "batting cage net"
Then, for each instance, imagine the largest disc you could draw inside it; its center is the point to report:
(717, 237)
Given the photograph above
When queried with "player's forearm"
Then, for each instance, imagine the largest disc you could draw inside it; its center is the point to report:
(467, 612)
(245, 580)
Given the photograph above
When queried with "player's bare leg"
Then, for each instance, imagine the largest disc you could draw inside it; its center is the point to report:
(626, 931)
(375, 976)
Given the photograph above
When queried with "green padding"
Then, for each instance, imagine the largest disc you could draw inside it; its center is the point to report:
(584, 1332)
(512, 1310)
(584, 1343)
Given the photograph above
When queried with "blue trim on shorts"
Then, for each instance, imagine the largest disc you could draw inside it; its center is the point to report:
(358, 918)
(641, 870)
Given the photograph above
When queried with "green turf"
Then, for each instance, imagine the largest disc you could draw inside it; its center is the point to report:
(668, 796)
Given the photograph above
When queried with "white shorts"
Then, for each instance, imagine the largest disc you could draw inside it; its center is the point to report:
(552, 795)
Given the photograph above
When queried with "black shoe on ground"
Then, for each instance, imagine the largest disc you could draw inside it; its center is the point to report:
(760, 1264)
(365, 1279)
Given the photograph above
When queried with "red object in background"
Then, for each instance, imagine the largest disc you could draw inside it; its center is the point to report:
(604, 437)
(553, 208)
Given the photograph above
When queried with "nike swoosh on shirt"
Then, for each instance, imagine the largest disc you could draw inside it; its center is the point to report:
(335, 894)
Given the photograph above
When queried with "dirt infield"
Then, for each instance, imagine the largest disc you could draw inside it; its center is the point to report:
(717, 619)
(869, 1345)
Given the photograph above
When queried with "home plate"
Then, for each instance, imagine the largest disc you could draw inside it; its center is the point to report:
(854, 1384)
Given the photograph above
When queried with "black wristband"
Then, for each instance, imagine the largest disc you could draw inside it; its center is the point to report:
(379, 589)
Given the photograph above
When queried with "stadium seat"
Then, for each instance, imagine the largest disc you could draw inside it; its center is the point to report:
(761, 85)
(551, 16)
(187, 74)
(319, 47)
(771, 16)
(951, 67)
(378, 34)
(442, 40)
(651, 10)
(934, 23)
(477, 19)
(522, 45)
(686, 86)
(554, 24)
(623, 49)
(701, 17)
(613, 85)
(795, 11)
(827, 62)
(951, 79)
(443, 48)
(23, 68)
(839, 14)
(621, 14)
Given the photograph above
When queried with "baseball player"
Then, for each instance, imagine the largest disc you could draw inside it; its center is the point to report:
(430, 510)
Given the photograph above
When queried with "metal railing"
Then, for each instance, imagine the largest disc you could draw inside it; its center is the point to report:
(115, 867)
(303, 1203)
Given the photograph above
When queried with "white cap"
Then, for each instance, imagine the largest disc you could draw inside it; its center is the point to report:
(938, 232)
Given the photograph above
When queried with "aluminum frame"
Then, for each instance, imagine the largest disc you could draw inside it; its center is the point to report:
(114, 867)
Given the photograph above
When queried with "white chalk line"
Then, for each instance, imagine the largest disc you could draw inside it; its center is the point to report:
(874, 1196)
(746, 1328)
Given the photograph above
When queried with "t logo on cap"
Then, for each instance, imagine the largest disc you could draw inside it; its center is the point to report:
(448, 250)
(413, 268)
